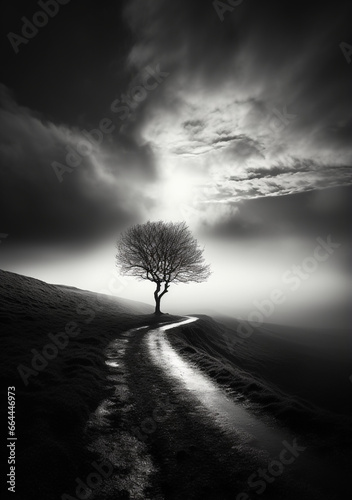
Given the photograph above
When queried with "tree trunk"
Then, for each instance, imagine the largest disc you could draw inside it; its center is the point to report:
(157, 306)
(158, 297)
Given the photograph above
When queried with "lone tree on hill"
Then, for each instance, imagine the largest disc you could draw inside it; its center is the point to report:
(161, 252)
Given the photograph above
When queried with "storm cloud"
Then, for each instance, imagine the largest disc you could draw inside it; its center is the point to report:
(64, 185)
(148, 109)
(240, 101)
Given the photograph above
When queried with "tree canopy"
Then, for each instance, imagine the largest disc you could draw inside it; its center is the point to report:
(161, 252)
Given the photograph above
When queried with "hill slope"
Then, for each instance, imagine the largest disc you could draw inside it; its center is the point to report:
(303, 381)
(55, 342)
(52, 351)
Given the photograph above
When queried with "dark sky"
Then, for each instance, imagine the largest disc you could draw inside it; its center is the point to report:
(74, 66)
(238, 122)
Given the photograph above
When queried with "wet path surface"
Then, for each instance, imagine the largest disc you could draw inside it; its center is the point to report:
(230, 416)
(173, 434)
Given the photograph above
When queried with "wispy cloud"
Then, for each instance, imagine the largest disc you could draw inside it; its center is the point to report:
(102, 193)
(240, 112)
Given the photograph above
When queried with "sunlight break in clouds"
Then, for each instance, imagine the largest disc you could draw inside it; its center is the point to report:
(240, 140)
(221, 117)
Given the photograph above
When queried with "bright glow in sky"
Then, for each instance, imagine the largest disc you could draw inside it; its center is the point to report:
(244, 132)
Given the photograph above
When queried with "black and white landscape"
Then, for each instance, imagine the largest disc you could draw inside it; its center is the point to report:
(175, 245)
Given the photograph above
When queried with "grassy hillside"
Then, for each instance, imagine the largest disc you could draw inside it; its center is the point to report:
(53, 351)
(57, 387)
(305, 385)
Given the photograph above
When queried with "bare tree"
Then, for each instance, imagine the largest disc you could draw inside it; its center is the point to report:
(161, 252)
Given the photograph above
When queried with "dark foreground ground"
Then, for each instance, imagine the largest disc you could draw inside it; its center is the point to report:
(98, 420)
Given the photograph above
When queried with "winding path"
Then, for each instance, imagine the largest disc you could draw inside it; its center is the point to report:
(174, 434)
(229, 415)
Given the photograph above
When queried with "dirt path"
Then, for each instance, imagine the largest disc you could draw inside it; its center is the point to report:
(167, 442)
